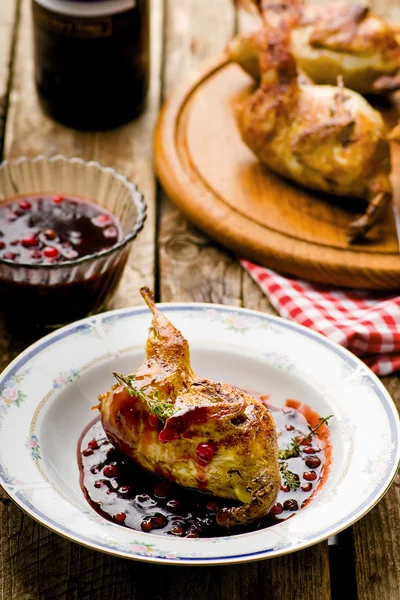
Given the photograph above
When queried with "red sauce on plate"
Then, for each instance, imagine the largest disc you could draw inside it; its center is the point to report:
(126, 494)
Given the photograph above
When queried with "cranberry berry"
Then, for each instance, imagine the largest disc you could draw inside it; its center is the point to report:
(25, 205)
(120, 517)
(111, 470)
(205, 453)
(277, 509)
(290, 504)
(178, 529)
(99, 483)
(102, 220)
(50, 234)
(87, 452)
(310, 475)
(312, 462)
(51, 252)
(10, 255)
(306, 487)
(146, 525)
(29, 241)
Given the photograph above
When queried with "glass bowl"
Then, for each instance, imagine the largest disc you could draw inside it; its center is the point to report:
(50, 295)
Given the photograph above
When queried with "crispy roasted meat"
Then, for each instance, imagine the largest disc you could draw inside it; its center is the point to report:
(326, 138)
(327, 41)
(195, 432)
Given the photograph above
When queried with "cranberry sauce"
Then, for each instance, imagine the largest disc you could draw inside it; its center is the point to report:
(305, 471)
(48, 231)
(126, 494)
(54, 229)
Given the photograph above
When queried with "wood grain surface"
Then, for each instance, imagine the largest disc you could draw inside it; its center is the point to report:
(193, 269)
(219, 184)
(182, 264)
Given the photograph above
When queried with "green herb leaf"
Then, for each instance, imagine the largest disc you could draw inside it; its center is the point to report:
(291, 451)
(289, 478)
(128, 382)
(162, 410)
(294, 449)
(313, 430)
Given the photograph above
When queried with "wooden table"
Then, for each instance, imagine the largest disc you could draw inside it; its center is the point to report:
(182, 265)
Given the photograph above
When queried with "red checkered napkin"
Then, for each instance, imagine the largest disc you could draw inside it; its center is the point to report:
(368, 324)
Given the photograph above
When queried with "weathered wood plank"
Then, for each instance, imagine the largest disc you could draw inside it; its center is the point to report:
(8, 20)
(8, 23)
(191, 267)
(194, 269)
(37, 565)
(376, 538)
(129, 149)
(34, 563)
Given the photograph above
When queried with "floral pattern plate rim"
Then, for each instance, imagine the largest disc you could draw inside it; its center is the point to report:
(47, 394)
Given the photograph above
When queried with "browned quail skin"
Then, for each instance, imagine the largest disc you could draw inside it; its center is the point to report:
(327, 138)
(337, 38)
(198, 433)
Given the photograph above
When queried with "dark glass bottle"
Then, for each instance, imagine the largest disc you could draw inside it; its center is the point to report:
(91, 60)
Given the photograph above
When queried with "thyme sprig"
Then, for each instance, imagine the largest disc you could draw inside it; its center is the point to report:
(162, 410)
(295, 445)
(289, 478)
(313, 430)
(291, 451)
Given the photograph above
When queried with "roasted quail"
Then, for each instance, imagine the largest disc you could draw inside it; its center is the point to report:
(326, 138)
(195, 432)
(328, 41)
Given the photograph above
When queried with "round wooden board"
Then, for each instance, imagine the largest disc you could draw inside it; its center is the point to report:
(223, 189)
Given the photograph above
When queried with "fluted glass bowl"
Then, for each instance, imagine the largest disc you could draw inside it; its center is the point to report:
(54, 294)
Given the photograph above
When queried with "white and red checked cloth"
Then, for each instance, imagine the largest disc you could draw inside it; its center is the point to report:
(366, 323)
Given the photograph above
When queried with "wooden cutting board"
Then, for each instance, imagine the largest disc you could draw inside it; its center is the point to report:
(224, 190)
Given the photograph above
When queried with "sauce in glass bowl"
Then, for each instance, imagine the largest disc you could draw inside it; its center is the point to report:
(67, 228)
(42, 239)
(43, 229)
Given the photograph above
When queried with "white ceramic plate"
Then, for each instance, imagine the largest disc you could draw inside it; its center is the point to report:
(47, 394)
